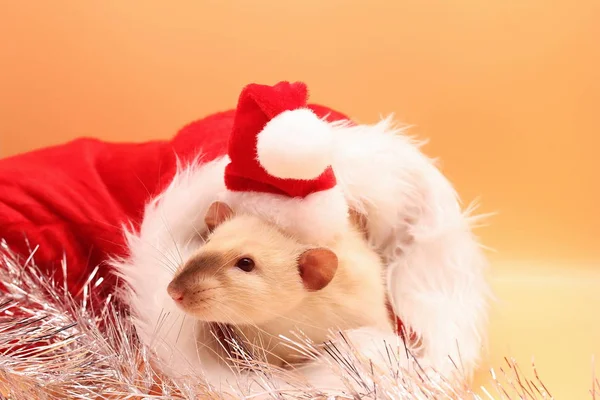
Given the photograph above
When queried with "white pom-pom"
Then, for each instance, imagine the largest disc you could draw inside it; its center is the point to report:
(296, 144)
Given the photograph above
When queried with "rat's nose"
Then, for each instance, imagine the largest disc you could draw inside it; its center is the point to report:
(176, 292)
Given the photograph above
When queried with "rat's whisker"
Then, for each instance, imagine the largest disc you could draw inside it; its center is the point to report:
(224, 264)
(165, 264)
(201, 236)
(241, 332)
(231, 339)
(205, 346)
(187, 243)
(261, 347)
(241, 299)
(180, 327)
(171, 265)
(169, 255)
(168, 228)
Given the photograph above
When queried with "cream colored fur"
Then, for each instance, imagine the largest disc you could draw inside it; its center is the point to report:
(354, 298)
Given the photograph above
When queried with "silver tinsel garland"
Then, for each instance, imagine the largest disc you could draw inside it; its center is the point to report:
(53, 346)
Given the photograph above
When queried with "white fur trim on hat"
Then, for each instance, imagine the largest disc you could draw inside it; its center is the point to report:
(318, 218)
(296, 144)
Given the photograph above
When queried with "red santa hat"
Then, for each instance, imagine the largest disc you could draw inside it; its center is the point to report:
(280, 169)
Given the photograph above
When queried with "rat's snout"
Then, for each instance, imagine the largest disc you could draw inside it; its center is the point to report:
(176, 291)
(187, 288)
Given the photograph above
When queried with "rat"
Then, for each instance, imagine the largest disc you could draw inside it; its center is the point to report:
(260, 284)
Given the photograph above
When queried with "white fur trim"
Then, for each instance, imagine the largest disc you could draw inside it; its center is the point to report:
(316, 219)
(295, 144)
(435, 264)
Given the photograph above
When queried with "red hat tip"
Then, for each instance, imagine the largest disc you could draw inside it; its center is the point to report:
(278, 145)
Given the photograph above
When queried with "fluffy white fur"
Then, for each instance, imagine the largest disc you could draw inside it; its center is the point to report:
(317, 218)
(295, 144)
(435, 265)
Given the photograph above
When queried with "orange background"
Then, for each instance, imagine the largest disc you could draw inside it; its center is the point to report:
(507, 90)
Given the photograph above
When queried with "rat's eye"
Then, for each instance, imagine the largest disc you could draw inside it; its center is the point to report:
(245, 264)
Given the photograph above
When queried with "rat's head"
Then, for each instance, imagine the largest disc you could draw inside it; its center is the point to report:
(248, 271)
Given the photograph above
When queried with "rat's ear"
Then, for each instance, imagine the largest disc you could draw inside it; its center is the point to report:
(317, 268)
(217, 213)
(359, 220)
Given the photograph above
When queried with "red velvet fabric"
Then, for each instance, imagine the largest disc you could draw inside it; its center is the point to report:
(257, 105)
(73, 199)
